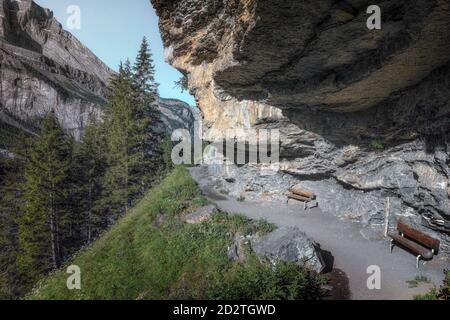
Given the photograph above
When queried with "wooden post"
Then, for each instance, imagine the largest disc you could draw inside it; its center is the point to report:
(386, 228)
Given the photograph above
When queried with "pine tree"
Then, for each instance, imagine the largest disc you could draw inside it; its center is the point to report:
(144, 75)
(8, 233)
(147, 92)
(130, 142)
(11, 207)
(146, 87)
(182, 83)
(42, 226)
(128, 70)
(5, 240)
(116, 188)
(88, 168)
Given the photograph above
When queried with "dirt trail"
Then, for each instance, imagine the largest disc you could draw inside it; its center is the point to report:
(352, 253)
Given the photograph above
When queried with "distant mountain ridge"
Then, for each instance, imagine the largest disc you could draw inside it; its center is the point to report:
(44, 68)
(176, 114)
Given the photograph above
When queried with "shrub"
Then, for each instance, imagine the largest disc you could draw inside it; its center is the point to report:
(257, 280)
(377, 145)
(443, 293)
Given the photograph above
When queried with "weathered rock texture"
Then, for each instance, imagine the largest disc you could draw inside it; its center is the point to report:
(43, 67)
(176, 114)
(287, 244)
(363, 114)
(292, 245)
(201, 215)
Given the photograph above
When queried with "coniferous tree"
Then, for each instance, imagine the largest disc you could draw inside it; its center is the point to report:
(147, 91)
(146, 86)
(128, 70)
(182, 83)
(88, 168)
(130, 142)
(8, 227)
(144, 75)
(11, 208)
(6, 243)
(116, 183)
(43, 224)
(57, 195)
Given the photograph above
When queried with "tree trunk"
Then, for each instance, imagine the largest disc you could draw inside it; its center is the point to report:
(54, 233)
(90, 214)
(53, 240)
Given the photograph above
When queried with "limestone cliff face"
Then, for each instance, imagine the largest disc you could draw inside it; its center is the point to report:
(198, 36)
(43, 67)
(176, 114)
(364, 114)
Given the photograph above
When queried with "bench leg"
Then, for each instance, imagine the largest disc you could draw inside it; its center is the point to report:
(417, 261)
(392, 245)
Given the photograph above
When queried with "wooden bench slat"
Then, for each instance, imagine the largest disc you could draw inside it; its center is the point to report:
(419, 236)
(303, 193)
(412, 246)
(297, 197)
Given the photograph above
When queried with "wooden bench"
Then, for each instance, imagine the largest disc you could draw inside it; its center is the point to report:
(300, 195)
(415, 241)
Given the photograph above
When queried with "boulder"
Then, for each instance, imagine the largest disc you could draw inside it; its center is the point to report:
(237, 251)
(292, 245)
(201, 215)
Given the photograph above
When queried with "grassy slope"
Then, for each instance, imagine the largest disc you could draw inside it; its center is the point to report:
(137, 259)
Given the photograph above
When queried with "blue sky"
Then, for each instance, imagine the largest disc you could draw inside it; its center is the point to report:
(113, 30)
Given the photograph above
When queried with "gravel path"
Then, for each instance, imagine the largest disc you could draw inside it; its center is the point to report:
(352, 253)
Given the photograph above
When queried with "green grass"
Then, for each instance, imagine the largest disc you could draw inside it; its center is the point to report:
(417, 280)
(432, 295)
(135, 259)
(443, 293)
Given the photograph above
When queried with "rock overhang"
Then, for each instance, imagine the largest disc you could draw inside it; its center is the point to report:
(294, 54)
(338, 84)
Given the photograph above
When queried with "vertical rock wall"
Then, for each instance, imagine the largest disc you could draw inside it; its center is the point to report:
(43, 67)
